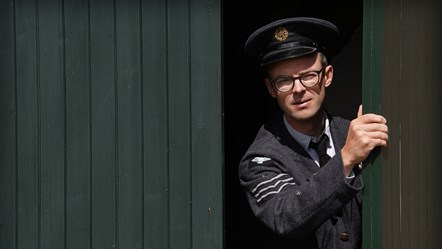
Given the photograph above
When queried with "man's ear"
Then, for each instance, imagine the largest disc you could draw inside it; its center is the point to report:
(270, 88)
(328, 74)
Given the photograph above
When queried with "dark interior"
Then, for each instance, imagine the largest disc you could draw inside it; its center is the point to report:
(247, 104)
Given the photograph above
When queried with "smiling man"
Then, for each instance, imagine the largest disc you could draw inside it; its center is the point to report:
(302, 173)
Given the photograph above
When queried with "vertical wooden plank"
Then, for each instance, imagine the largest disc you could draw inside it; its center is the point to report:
(155, 124)
(52, 139)
(28, 123)
(129, 103)
(421, 50)
(103, 125)
(371, 99)
(76, 38)
(409, 74)
(408, 128)
(206, 124)
(433, 103)
(391, 173)
(179, 124)
(367, 56)
(8, 114)
(420, 131)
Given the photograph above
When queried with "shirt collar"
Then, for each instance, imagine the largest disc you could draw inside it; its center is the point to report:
(304, 140)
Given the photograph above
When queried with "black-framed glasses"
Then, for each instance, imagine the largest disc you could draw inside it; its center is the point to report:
(307, 79)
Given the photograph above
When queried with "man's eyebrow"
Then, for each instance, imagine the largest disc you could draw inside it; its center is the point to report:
(297, 75)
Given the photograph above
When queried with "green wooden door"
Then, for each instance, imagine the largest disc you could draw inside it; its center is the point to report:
(111, 131)
(402, 80)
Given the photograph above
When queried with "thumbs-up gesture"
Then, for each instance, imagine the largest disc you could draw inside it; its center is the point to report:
(365, 133)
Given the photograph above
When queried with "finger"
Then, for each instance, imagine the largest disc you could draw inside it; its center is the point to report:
(373, 118)
(380, 142)
(379, 136)
(360, 111)
(371, 127)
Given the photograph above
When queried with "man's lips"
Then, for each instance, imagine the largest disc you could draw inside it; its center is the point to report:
(301, 101)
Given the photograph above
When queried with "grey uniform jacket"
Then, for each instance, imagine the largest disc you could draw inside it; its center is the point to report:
(313, 207)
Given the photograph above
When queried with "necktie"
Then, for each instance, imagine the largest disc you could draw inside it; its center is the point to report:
(321, 148)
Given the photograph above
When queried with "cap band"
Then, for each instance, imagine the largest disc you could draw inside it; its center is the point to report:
(287, 50)
(290, 45)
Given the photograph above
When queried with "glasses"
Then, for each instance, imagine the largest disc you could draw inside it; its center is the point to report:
(307, 79)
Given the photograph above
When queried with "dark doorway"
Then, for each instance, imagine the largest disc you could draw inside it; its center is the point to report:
(247, 104)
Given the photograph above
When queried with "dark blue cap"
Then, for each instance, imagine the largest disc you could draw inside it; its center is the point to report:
(292, 37)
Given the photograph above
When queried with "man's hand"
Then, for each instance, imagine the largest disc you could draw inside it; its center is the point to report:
(365, 133)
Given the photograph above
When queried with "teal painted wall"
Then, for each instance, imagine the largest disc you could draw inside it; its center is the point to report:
(111, 131)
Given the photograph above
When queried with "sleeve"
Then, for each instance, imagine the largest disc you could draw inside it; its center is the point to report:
(293, 205)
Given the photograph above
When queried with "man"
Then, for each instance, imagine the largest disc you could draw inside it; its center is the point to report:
(309, 194)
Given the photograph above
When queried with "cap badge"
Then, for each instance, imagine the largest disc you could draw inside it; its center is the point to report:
(281, 34)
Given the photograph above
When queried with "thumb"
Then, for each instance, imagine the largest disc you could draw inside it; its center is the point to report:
(360, 111)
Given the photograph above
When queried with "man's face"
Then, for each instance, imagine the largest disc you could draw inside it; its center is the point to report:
(301, 103)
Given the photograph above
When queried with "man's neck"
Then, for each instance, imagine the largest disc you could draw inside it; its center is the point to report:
(311, 127)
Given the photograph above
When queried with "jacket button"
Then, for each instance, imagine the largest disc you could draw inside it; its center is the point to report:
(344, 236)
